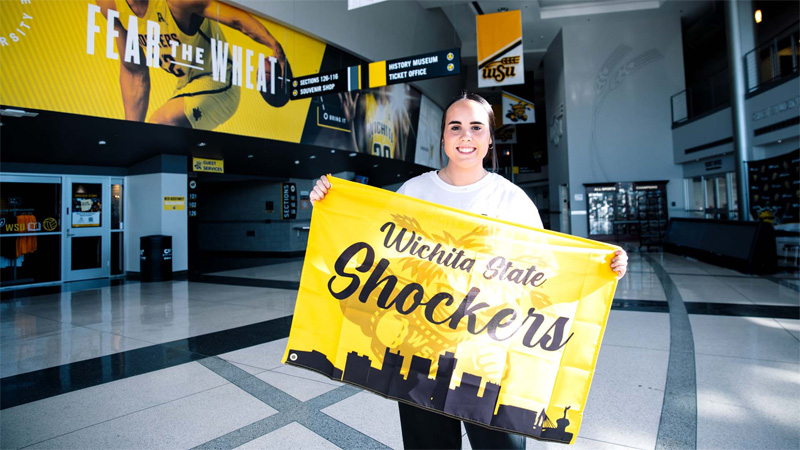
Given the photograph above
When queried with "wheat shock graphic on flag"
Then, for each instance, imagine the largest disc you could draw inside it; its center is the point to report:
(517, 110)
(500, 55)
(465, 315)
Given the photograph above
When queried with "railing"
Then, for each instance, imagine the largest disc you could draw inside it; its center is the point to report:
(774, 59)
(701, 97)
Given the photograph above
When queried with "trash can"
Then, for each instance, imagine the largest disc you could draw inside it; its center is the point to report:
(155, 258)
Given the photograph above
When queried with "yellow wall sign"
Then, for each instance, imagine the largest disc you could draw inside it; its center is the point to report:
(208, 165)
(58, 54)
(174, 203)
(465, 315)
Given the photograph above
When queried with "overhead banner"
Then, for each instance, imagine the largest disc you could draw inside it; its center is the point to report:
(507, 134)
(500, 56)
(517, 110)
(458, 313)
(220, 69)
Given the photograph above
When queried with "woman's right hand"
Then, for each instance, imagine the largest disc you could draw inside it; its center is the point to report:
(320, 190)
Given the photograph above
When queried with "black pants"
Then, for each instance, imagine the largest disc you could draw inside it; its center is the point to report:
(423, 429)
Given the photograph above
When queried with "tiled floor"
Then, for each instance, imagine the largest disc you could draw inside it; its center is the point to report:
(222, 384)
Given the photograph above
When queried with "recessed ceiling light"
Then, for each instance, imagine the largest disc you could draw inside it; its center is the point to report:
(374, 165)
(17, 113)
(297, 162)
(398, 175)
(202, 144)
(780, 140)
(333, 151)
(352, 154)
(101, 142)
(312, 157)
(249, 156)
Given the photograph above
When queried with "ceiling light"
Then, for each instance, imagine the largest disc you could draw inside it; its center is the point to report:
(17, 113)
(374, 165)
(591, 8)
(312, 157)
(202, 144)
(333, 151)
(249, 156)
(296, 162)
(101, 142)
(758, 16)
(352, 154)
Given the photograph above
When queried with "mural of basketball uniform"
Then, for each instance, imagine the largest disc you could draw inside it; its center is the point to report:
(379, 122)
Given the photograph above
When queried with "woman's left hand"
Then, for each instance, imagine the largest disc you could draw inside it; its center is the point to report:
(619, 263)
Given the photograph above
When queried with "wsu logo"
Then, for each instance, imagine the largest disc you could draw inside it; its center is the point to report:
(500, 70)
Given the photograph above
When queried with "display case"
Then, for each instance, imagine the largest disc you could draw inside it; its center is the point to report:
(626, 211)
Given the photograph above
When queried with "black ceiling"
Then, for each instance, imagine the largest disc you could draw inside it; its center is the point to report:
(70, 139)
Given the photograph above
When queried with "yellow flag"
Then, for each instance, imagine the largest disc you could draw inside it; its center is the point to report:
(468, 316)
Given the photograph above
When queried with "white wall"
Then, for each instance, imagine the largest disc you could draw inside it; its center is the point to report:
(620, 71)
(557, 145)
(175, 223)
(771, 107)
(145, 215)
(711, 128)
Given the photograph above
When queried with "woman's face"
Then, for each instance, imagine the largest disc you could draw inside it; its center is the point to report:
(466, 135)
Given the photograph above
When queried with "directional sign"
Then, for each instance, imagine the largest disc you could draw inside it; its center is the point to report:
(320, 84)
(415, 68)
(381, 73)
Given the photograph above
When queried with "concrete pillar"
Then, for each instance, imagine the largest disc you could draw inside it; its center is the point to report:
(739, 114)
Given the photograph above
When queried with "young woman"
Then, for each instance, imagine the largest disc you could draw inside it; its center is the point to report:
(467, 136)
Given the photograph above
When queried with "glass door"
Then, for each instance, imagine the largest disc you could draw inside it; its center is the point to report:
(87, 228)
(30, 229)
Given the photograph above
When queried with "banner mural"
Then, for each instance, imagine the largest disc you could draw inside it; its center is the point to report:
(465, 315)
(500, 54)
(207, 65)
(775, 189)
(429, 135)
(517, 110)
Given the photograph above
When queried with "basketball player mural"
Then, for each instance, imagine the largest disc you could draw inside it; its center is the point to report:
(200, 100)
(380, 120)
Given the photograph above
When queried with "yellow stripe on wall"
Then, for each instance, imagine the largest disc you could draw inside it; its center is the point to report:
(377, 74)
